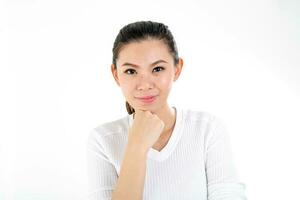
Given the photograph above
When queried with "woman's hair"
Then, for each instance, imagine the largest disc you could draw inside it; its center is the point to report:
(139, 31)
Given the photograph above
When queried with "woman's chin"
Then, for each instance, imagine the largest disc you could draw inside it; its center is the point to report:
(152, 109)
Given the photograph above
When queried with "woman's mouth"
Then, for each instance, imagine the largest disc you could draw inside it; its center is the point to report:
(147, 99)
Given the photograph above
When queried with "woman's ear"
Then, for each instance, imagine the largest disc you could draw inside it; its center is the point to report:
(115, 73)
(178, 69)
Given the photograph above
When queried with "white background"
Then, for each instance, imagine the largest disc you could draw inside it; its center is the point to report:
(242, 63)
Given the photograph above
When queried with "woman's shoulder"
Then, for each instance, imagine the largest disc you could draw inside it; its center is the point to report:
(213, 124)
(199, 115)
(103, 137)
(108, 128)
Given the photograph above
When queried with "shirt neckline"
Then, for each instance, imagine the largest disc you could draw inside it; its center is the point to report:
(173, 140)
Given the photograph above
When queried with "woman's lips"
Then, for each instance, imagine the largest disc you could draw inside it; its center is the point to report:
(147, 99)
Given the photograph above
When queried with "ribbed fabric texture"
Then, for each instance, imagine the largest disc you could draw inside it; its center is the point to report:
(196, 164)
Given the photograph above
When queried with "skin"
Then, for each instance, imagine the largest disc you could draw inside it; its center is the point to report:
(138, 74)
(147, 79)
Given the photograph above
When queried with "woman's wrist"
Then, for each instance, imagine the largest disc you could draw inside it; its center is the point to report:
(137, 149)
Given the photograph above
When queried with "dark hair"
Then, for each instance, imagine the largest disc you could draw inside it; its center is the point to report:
(142, 30)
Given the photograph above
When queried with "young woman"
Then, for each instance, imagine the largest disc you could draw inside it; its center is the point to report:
(157, 151)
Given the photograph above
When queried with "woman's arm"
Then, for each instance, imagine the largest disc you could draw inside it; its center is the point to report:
(143, 133)
(104, 182)
(130, 183)
(102, 174)
(222, 177)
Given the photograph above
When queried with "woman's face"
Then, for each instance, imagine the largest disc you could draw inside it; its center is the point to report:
(145, 69)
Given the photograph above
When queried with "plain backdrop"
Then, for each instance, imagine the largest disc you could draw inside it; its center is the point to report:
(242, 63)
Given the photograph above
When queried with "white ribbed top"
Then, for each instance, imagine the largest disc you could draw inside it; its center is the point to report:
(196, 164)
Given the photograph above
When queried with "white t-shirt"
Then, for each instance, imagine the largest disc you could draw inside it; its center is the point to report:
(196, 163)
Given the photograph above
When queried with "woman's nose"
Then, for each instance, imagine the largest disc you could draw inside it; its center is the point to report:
(145, 82)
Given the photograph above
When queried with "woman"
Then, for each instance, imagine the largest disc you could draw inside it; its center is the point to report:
(157, 151)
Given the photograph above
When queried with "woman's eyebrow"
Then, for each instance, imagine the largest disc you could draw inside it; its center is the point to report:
(136, 66)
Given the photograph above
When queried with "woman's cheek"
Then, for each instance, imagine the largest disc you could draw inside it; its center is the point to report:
(127, 91)
(166, 82)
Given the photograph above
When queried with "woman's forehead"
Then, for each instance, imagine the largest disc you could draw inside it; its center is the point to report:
(144, 52)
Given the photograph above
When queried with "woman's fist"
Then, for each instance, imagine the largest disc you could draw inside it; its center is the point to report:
(145, 130)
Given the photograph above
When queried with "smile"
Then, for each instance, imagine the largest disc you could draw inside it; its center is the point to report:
(147, 99)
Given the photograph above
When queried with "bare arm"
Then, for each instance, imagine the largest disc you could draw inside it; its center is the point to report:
(145, 130)
(130, 184)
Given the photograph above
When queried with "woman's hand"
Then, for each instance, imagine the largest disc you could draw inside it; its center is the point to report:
(145, 130)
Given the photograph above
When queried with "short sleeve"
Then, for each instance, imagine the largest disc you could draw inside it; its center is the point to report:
(221, 174)
(102, 175)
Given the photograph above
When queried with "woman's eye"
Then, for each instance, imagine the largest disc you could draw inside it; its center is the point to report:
(129, 70)
(132, 71)
(159, 68)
